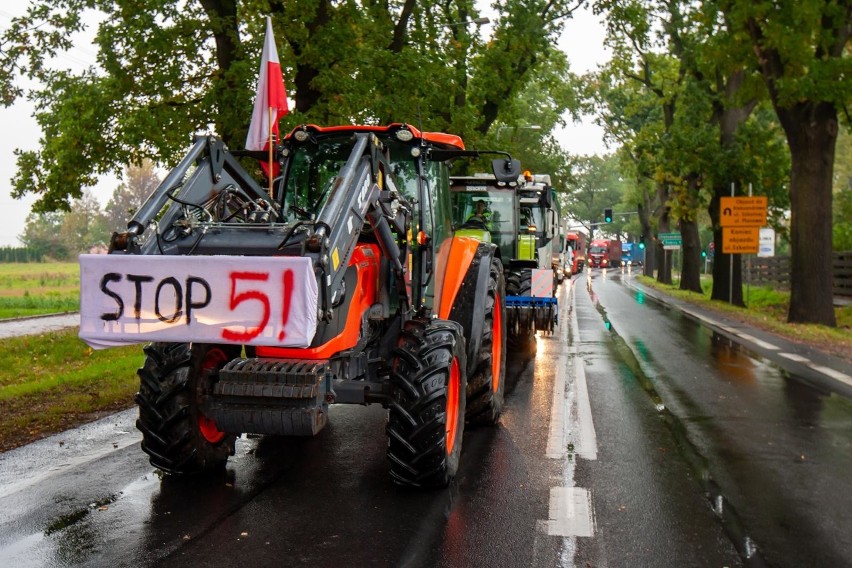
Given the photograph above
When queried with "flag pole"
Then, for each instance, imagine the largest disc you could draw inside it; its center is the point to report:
(271, 172)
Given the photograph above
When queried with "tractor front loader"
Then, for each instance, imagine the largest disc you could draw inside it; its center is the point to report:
(344, 284)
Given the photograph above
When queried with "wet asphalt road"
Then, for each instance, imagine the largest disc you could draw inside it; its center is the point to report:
(636, 437)
(768, 450)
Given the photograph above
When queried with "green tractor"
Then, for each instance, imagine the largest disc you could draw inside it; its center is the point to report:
(522, 219)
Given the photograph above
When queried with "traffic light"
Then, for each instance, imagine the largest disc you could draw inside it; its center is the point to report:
(641, 246)
(608, 215)
(703, 254)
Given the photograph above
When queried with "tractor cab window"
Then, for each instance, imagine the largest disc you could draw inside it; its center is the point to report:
(311, 173)
(498, 212)
(314, 167)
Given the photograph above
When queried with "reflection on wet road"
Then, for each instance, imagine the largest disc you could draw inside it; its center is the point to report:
(771, 453)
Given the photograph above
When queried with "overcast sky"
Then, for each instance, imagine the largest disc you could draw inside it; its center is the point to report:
(582, 41)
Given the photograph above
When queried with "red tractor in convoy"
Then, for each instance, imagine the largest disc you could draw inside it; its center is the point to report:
(344, 284)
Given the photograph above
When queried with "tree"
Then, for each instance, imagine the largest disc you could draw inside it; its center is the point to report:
(596, 183)
(84, 226)
(174, 67)
(42, 234)
(139, 182)
(802, 49)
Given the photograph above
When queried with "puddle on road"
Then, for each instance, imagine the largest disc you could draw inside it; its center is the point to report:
(70, 519)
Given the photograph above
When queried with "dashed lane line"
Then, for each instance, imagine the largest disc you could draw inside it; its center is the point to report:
(570, 512)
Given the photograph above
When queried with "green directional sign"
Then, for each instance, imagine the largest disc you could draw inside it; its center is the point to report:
(671, 241)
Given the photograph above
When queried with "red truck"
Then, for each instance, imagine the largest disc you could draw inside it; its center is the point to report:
(577, 244)
(604, 253)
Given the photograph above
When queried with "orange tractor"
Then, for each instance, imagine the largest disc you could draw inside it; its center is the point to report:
(344, 284)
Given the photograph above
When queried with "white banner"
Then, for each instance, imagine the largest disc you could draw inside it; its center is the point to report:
(249, 300)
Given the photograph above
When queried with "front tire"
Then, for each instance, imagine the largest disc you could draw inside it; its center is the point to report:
(427, 406)
(485, 389)
(177, 437)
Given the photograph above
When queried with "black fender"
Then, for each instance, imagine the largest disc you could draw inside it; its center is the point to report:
(468, 307)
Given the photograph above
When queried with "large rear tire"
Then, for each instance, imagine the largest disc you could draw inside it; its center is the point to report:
(175, 434)
(521, 328)
(427, 406)
(485, 389)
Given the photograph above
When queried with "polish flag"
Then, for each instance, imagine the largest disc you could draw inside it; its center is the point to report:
(270, 102)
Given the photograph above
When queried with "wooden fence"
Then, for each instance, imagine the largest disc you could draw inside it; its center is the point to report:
(774, 272)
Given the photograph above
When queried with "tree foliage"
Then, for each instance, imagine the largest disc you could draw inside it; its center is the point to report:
(169, 68)
(42, 234)
(597, 183)
(802, 50)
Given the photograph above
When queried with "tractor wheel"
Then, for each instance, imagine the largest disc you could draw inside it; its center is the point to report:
(175, 434)
(486, 387)
(521, 337)
(427, 404)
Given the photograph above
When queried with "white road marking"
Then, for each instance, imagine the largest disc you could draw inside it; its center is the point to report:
(833, 373)
(758, 342)
(570, 512)
(794, 357)
(836, 375)
(587, 441)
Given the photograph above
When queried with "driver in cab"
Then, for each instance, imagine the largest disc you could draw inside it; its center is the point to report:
(480, 212)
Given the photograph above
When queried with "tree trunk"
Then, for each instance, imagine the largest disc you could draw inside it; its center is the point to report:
(664, 257)
(229, 92)
(305, 95)
(811, 130)
(647, 238)
(690, 274)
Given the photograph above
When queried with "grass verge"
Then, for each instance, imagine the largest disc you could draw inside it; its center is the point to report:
(767, 310)
(29, 289)
(54, 381)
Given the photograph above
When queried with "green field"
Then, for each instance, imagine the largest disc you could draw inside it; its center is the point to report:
(30, 289)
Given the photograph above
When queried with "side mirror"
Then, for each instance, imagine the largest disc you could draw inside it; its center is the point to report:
(506, 170)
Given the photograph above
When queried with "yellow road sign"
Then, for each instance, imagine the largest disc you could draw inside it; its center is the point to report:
(740, 240)
(743, 211)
